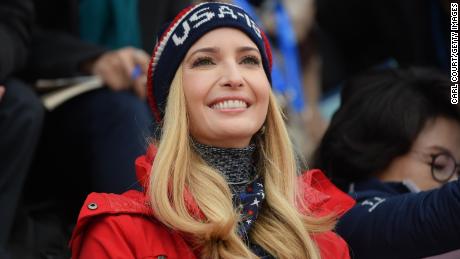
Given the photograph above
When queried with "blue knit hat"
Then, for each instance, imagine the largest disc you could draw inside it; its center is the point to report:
(189, 26)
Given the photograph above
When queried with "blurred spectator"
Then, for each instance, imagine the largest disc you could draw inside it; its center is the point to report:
(100, 132)
(354, 36)
(21, 113)
(360, 34)
(394, 146)
(105, 129)
(90, 141)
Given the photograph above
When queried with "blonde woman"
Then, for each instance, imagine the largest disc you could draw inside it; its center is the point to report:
(221, 180)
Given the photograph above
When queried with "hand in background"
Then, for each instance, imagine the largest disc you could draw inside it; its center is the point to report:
(2, 92)
(123, 69)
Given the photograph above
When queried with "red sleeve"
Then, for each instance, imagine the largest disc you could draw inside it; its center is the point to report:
(322, 196)
(114, 236)
(121, 226)
(332, 246)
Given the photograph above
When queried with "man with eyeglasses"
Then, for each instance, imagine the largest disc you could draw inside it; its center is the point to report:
(394, 146)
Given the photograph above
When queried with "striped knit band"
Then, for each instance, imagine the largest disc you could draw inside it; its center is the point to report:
(188, 26)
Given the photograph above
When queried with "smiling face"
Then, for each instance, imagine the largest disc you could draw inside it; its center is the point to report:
(226, 88)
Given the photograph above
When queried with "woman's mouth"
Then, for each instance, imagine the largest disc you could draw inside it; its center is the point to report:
(229, 104)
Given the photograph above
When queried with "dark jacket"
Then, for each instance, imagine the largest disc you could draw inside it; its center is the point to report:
(389, 221)
(56, 49)
(16, 18)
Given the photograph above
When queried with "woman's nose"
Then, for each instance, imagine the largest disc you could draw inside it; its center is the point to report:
(231, 75)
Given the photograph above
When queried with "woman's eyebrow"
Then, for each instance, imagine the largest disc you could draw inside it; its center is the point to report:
(247, 48)
(216, 50)
(206, 50)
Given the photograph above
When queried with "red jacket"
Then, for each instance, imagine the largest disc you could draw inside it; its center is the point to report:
(122, 226)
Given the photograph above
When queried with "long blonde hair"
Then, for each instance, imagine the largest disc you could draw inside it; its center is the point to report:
(179, 172)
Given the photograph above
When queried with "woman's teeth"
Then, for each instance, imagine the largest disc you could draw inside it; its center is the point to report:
(230, 104)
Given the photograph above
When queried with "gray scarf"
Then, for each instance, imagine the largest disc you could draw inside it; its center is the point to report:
(237, 165)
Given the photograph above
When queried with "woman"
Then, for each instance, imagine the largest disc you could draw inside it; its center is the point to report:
(223, 182)
(394, 145)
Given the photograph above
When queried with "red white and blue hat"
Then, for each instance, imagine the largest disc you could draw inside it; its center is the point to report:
(186, 28)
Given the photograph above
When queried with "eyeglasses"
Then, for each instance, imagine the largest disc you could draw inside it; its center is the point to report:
(443, 167)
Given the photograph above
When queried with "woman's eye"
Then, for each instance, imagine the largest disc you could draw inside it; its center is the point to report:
(251, 60)
(203, 61)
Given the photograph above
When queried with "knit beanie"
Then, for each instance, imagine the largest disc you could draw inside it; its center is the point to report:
(187, 27)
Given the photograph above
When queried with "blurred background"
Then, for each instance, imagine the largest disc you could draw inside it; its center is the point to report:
(50, 159)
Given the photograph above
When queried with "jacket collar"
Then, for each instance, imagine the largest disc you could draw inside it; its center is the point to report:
(320, 195)
(143, 166)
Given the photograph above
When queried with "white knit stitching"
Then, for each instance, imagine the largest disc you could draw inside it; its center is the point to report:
(162, 44)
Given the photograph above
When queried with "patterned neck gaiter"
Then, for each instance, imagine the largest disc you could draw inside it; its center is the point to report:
(238, 168)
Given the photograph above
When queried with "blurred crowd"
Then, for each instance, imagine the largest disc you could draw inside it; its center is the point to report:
(364, 86)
